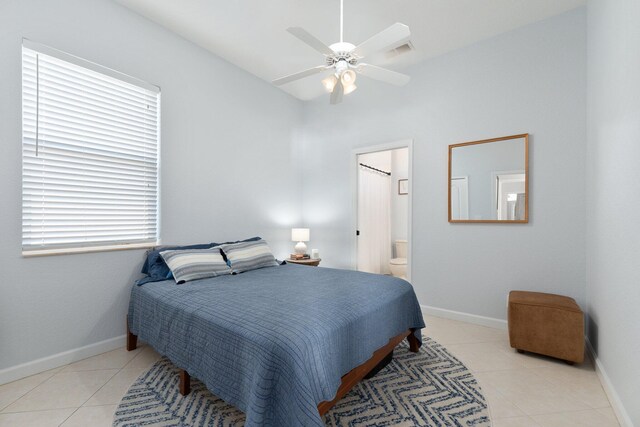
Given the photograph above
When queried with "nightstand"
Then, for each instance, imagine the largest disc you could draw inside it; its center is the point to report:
(311, 262)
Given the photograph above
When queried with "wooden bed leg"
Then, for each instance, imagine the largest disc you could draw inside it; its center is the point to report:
(132, 340)
(414, 345)
(185, 382)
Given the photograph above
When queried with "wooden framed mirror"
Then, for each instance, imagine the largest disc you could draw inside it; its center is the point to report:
(489, 180)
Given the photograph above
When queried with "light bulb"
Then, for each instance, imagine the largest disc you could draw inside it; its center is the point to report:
(330, 82)
(350, 88)
(348, 77)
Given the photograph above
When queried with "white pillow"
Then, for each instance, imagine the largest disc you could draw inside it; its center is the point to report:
(245, 256)
(193, 264)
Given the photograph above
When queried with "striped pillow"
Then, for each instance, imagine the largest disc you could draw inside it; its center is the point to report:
(193, 264)
(245, 256)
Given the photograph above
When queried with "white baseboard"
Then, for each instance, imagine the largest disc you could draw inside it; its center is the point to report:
(616, 404)
(490, 322)
(23, 370)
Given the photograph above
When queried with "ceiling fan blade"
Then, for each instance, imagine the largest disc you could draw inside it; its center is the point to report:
(385, 39)
(336, 94)
(382, 74)
(310, 40)
(300, 75)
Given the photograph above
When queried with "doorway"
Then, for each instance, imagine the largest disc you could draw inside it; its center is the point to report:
(509, 192)
(382, 202)
(459, 197)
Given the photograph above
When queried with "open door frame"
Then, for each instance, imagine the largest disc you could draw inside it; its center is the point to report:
(402, 143)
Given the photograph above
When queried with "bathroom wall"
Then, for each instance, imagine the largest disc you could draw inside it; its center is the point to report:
(399, 203)
(380, 160)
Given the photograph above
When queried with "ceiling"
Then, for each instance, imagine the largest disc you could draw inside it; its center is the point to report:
(251, 33)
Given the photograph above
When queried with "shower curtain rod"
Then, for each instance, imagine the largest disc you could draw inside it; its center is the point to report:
(377, 170)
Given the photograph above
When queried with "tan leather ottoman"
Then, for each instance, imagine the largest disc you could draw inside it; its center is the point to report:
(547, 324)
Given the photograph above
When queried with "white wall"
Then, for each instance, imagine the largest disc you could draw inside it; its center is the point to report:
(228, 168)
(399, 202)
(529, 80)
(613, 197)
(379, 160)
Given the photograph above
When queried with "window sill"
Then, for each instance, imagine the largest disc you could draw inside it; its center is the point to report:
(89, 249)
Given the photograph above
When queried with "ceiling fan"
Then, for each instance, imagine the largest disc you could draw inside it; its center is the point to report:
(343, 59)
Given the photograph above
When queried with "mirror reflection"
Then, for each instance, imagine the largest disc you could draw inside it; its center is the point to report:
(488, 180)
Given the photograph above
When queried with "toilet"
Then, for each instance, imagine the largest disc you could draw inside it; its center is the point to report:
(398, 266)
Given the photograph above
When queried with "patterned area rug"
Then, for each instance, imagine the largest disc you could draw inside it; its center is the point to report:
(431, 388)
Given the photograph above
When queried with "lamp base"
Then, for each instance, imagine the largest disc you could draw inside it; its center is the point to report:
(301, 248)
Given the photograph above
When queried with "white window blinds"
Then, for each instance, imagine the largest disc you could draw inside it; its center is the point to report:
(90, 144)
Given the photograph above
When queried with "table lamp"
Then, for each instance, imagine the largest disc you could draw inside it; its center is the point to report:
(300, 235)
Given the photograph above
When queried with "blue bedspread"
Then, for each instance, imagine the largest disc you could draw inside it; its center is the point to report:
(274, 342)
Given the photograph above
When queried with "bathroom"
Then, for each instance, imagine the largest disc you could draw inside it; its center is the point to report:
(383, 211)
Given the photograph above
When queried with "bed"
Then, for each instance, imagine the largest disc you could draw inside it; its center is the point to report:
(282, 344)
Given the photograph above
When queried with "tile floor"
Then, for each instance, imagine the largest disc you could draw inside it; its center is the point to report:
(522, 390)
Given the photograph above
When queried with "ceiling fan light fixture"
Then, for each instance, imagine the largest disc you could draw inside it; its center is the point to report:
(330, 82)
(350, 88)
(348, 77)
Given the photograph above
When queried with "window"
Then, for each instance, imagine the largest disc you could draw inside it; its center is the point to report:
(90, 155)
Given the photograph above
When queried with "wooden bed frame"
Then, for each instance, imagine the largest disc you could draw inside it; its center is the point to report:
(348, 381)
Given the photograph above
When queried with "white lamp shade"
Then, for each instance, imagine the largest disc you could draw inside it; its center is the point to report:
(299, 234)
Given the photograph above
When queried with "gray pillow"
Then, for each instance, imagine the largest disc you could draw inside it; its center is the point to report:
(245, 256)
(193, 264)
